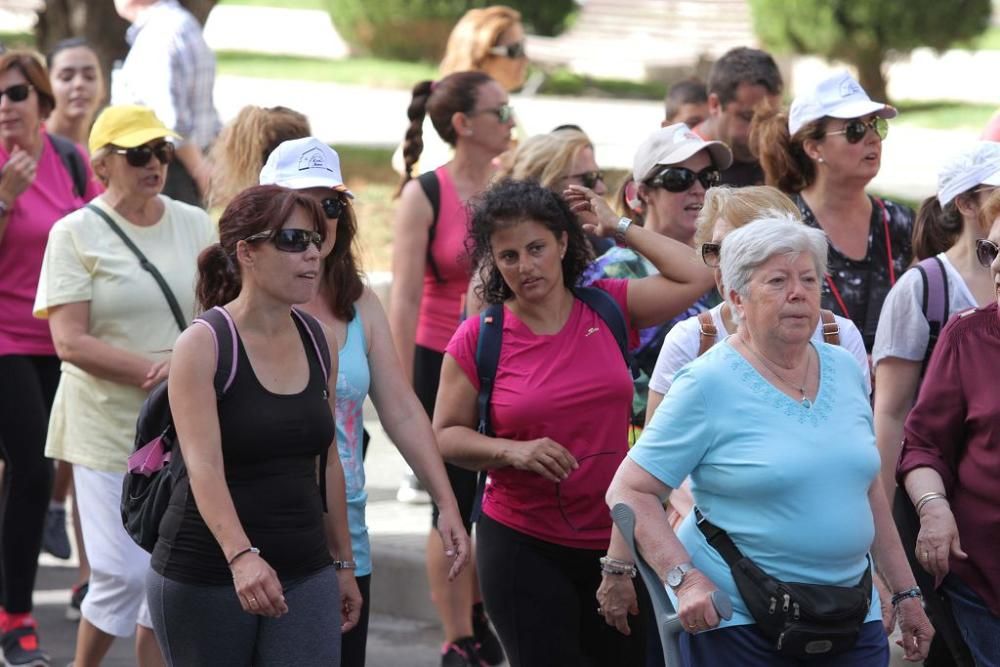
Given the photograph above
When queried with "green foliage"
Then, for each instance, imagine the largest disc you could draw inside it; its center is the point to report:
(544, 17)
(564, 82)
(360, 71)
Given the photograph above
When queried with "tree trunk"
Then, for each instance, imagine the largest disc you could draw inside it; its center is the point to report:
(870, 74)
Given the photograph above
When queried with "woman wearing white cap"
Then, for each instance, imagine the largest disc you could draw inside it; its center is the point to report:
(949, 276)
(367, 365)
(824, 152)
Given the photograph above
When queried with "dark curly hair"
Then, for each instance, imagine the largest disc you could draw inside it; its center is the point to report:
(511, 202)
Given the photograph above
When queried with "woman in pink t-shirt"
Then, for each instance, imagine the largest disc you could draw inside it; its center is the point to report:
(36, 189)
(560, 412)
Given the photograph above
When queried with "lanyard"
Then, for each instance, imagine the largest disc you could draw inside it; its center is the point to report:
(888, 251)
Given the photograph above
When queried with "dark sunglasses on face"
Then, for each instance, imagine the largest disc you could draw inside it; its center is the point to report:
(333, 207)
(986, 252)
(16, 93)
(504, 112)
(512, 51)
(139, 156)
(589, 179)
(855, 130)
(680, 179)
(289, 240)
(711, 254)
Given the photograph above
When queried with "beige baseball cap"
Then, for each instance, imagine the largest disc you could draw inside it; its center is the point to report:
(673, 144)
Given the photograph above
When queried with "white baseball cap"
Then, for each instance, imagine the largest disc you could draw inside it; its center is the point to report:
(674, 144)
(304, 163)
(976, 165)
(839, 96)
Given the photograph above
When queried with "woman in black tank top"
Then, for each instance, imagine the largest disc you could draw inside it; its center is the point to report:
(247, 546)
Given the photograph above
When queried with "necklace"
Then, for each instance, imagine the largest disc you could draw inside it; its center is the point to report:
(801, 388)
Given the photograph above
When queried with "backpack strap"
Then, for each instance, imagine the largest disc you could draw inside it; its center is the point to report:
(73, 161)
(934, 303)
(432, 190)
(831, 330)
(322, 349)
(220, 323)
(487, 360)
(608, 310)
(707, 332)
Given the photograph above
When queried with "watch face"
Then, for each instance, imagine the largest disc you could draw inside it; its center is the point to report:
(675, 577)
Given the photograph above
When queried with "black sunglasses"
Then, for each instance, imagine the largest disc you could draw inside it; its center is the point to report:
(855, 130)
(986, 252)
(333, 207)
(512, 51)
(289, 240)
(17, 93)
(139, 156)
(680, 179)
(589, 179)
(711, 254)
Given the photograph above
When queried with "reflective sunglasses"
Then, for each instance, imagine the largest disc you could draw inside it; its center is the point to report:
(504, 112)
(139, 156)
(986, 252)
(680, 179)
(16, 93)
(855, 130)
(333, 207)
(589, 179)
(289, 240)
(512, 51)
(711, 254)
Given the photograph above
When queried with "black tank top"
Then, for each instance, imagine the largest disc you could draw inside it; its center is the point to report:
(270, 443)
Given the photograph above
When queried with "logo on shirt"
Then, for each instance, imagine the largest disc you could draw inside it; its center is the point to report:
(591, 330)
(313, 159)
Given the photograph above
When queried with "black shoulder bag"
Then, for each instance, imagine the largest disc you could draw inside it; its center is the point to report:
(803, 620)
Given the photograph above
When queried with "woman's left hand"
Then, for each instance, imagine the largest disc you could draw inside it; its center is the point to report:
(616, 599)
(350, 600)
(916, 629)
(157, 373)
(594, 213)
(885, 600)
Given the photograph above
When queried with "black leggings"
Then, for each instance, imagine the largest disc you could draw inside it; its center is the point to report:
(354, 642)
(542, 600)
(27, 387)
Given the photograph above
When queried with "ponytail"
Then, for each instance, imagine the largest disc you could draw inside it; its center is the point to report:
(413, 141)
(218, 278)
(936, 228)
(786, 165)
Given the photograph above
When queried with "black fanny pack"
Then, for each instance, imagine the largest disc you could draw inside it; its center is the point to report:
(803, 620)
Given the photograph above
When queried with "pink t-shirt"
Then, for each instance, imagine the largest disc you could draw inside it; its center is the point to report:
(574, 388)
(441, 302)
(50, 197)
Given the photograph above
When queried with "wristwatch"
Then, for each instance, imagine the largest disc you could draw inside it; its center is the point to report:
(675, 577)
(623, 225)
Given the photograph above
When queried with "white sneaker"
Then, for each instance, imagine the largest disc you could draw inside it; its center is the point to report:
(411, 492)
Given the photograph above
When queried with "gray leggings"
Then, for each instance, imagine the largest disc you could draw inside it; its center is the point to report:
(205, 625)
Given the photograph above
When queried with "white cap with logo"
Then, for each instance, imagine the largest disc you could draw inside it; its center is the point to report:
(672, 145)
(977, 165)
(304, 163)
(838, 96)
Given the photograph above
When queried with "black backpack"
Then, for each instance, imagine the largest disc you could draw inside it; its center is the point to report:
(156, 468)
(73, 161)
(432, 190)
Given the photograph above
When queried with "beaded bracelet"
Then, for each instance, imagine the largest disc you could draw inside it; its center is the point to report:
(618, 567)
(904, 595)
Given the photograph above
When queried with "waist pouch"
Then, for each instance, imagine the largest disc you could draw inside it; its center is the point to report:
(802, 620)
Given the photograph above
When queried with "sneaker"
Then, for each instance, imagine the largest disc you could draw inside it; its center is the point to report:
(411, 492)
(55, 540)
(463, 652)
(19, 647)
(490, 650)
(75, 600)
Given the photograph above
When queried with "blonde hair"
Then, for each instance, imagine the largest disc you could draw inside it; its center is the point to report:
(243, 146)
(474, 35)
(546, 158)
(740, 206)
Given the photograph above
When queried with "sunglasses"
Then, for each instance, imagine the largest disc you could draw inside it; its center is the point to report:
(855, 130)
(589, 179)
(512, 51)
(680, 179)
(139, 156)
(289, 240)
(504, 112)
(16, 93)
(333, 207)
(711, 254)
(986, 252)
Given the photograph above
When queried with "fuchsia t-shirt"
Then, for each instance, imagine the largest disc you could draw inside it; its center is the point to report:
(574, 388)
(50, 197)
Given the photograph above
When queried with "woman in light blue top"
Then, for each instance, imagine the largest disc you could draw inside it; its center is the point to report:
(776, 434)
(367, 365)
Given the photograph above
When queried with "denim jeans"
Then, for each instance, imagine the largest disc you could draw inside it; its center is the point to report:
(979, 626)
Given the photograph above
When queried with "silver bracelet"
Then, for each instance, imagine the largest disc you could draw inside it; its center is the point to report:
(623, 225)
(926, 498)
(345, 565)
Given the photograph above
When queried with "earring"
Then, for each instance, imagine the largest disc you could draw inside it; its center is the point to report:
(820, 160)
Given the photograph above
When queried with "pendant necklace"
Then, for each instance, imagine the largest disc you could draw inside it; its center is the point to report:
(804, 401)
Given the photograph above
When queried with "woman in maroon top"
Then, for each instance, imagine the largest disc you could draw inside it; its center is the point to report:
(950, 466)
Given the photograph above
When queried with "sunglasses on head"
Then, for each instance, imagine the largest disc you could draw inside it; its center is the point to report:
(986, 252)
(504, 112)
(512, 51)
(16, 93)
(139, 156)
(855, 130)
(680, 179)
(711, 254)
(333, 207)
(289, 240)
(589, 179)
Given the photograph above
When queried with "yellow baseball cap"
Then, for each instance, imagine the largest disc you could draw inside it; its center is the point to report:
(126, 126)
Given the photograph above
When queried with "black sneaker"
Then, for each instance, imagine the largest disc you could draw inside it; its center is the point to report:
(462, 652)
(55, 540)
(20, 648)
(490, 650)
(75, 600)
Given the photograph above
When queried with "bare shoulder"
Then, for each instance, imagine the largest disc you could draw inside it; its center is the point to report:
(414, 205)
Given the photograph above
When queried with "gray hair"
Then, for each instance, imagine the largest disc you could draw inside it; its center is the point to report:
(98, 158)
(746, 248)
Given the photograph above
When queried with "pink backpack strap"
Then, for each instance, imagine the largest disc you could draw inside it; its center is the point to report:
(220, 323)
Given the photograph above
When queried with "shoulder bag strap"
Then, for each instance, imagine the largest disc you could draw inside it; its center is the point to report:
(935, 302)
(831, 330)
(432, 189)
(175, 307)
(707, 332)
(487, 360)
(72, 161)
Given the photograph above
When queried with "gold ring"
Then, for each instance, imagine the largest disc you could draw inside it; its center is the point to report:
(927, 555)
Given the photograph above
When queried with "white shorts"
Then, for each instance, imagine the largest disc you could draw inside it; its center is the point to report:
(116, 599)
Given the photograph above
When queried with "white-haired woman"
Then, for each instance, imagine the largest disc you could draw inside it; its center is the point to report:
(775, 431)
